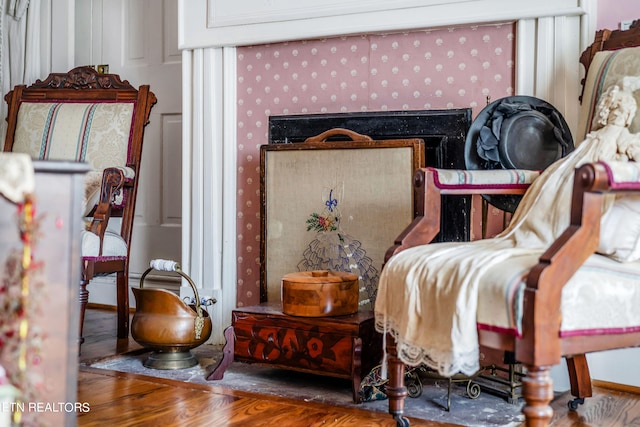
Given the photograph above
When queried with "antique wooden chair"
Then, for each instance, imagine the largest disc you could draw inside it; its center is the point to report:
(99, 119)
(549, 317)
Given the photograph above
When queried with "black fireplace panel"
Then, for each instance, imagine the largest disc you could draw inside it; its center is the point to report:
(443, 131)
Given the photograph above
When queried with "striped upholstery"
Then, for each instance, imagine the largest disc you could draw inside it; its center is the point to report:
(96, 133)
(483, 179)
(623, 175)
(607, 68)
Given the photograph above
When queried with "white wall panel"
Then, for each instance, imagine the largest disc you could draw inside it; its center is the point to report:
(171, 51)
(136, 32)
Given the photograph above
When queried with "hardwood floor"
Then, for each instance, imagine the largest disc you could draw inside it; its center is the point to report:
(121, 399)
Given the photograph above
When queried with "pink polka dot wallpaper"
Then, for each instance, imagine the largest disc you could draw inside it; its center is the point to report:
(437, 69)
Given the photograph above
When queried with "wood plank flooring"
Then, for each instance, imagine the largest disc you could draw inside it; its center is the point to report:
(128, 399)
(121, 399)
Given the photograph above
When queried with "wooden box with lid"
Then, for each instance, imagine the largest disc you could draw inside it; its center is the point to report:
(320, 293)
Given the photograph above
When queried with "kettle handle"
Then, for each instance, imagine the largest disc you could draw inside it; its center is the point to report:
(173, 266)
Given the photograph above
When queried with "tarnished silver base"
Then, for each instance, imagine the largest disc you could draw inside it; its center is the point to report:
(170, 360)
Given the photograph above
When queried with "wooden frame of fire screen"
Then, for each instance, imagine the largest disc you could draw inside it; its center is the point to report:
(319, 193)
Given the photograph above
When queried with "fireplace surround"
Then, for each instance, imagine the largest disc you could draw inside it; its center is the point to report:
(550, 34)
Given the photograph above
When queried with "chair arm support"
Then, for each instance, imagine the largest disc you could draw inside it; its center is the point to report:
(430, 184)
(542, 316)
(113, 180)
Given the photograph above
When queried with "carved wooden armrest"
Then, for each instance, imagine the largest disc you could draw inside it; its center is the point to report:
(541, 316)
(431, 183)
(113, 179)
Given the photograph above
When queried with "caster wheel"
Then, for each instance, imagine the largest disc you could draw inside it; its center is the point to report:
(573, 404)
(401, 421)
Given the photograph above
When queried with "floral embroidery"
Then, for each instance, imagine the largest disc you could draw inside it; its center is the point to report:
(334, 249)
(318, 222)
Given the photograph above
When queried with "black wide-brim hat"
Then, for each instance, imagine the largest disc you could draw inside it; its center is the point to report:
(516, 132)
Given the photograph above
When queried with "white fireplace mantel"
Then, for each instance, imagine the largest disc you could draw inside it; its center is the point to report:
(550, 36)
(215, 23)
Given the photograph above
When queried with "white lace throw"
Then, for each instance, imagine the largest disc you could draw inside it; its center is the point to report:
(427, 295)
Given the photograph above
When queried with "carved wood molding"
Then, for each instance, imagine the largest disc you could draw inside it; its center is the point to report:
(609, 40)
(82, 78)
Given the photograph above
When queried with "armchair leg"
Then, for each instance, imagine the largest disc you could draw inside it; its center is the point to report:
(84, 298)
(122, 292)
(537, 390)
(396, 390)
(580, 379)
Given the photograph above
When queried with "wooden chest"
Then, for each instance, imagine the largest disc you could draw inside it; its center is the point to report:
(339, 346)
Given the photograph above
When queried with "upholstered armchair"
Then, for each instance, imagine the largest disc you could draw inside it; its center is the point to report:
(99, 119)
(560, 281)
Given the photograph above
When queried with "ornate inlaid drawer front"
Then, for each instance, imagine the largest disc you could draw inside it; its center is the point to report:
(338, 346)
(295, 348)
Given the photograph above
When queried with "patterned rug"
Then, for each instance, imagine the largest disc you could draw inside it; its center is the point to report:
(484, 411)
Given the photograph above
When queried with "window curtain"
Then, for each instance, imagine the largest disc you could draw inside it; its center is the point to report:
(19, 48)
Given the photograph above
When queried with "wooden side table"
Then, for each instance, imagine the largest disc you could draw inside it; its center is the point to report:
(340, 346)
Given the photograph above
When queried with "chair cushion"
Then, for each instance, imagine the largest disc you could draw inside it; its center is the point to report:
(607, 68)
(113, 246)
(601, 298)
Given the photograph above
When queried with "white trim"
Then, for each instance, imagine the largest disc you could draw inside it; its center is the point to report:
(545, 57)
(229, 14)
(197, 167)
(525, 42)
(547, 62)
(588, 23)
(213, 190)
(194, 31)
(229, 192)
(187, 173)
(208, 247)
(212, 158)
